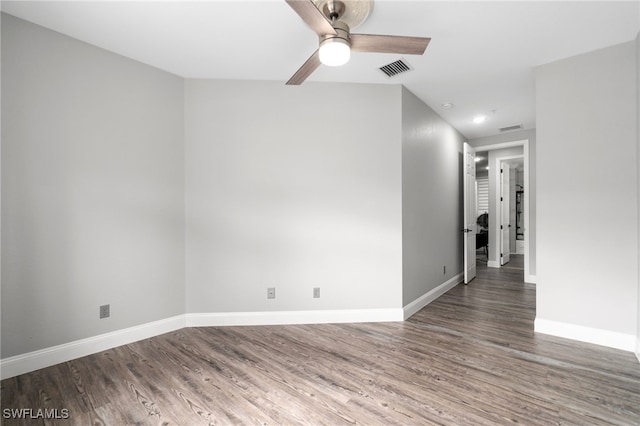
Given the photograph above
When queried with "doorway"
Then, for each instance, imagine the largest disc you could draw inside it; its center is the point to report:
(517, 212)
(510, 176)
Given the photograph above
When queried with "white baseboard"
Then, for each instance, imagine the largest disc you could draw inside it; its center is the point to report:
(493, 264)
(611, 339)
(531, 279)
(25, 363)
(431, 295)
(292, 317)
(20, 364)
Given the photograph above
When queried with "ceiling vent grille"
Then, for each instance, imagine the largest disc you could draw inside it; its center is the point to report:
(395, 68)
(510, 128)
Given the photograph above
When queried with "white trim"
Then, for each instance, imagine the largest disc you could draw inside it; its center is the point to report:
(292, 317)
(496, 226)
(525, 146)
(527, 212)
(431, 295)
(611, 339)
(20, 364)
(25, 363)
(502, 145)
(493, 264)
(531, 279)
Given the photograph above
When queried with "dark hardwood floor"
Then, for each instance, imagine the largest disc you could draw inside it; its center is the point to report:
(469, 358)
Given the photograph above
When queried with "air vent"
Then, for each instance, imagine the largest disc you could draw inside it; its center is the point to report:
(395, 68)
(510, 128)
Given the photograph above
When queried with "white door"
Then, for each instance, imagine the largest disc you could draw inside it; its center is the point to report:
(469, 213)
(505, 231)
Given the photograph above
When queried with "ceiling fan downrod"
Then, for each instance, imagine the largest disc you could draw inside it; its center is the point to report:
(333, 10)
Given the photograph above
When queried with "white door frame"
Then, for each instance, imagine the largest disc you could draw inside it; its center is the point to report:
(495, 218)
(470, 212)
(524, 143)
(505, 192)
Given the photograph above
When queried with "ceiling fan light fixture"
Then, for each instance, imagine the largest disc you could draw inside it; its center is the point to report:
(334, 51)
(331, 21)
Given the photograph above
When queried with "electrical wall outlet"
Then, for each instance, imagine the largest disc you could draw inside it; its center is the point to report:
(316, 292)
(104, 311)
(271, 293)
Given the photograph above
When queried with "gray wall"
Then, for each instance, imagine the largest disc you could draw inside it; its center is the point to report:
(588, 193)
(92, 190)
(293, 188)
(431, 199)
(530, 135)
(128, 186)
(1, 191)
(638, 174)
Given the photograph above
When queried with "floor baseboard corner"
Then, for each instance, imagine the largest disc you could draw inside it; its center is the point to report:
(611, 339)
(422, 301)
(31, 361)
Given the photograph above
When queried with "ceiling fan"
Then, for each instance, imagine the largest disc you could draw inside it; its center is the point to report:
(332, 20)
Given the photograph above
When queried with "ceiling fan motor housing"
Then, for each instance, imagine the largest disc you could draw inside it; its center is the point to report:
(341, 36)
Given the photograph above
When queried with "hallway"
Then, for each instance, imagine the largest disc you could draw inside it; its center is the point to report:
(509, 368)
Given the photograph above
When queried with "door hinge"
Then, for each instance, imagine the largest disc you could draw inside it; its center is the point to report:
(500, 254)
(501, 199)
(500, 226)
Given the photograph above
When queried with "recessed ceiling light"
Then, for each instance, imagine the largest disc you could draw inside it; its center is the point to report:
(480, 119)
(447, 105)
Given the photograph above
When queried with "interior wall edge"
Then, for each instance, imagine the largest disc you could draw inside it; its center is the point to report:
(608, 338)
(637, 350)
(422, 301)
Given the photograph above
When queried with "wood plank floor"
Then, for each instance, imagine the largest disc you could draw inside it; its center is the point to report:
(469, 358)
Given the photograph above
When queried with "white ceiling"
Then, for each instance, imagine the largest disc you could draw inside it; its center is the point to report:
(481, 57)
